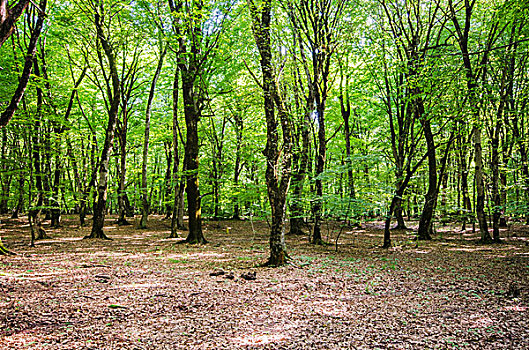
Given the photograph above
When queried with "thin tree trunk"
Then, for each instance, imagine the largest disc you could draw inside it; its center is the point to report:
(38, 132)
(9, 17)
(177, 221)
(168, 208)
(480, 187)
(496, 197)
(320, 165)
(425, 222)
(145, 199)
(6, 28)
(238, 166)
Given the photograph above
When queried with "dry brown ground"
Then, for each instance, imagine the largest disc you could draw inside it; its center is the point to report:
(143, 291)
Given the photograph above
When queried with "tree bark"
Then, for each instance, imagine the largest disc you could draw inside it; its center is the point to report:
(425, 222)
(8, 113)
(277, 173)
(192, 116)
(480, 187)
(102, 186)
(9, 16)
(177, 221)
(145, 197)
(239, 125)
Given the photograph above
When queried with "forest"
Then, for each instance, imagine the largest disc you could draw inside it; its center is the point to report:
(264, 173)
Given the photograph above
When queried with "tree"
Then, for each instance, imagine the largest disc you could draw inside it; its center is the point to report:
(316, 26)
(278, 164)
(474, 72)
(102, 19)
(10, 15)
(7, 21)
(145, 199)
(196, 45)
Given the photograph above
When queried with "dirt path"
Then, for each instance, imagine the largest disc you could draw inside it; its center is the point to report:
(143, 291)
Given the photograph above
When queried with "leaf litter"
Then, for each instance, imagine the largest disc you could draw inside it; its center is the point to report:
(143, 291)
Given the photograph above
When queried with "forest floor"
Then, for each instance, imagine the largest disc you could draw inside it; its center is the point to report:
(144, 291)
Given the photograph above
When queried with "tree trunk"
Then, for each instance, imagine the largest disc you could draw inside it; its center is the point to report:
(298, 179)
(177, 221)
(425, 222)
(277, 188)
(5, 179)
(401, 224)
(496, 198)
(480, 187)
(345, 108)
(9, 17)
(7, 21)
(238, 166)
(34, 216)
(145, 198)
(102, 186)
(192, 116)
(168, 208)
(320, 165)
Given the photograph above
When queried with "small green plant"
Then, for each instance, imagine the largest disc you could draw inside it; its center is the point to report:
(178, 261)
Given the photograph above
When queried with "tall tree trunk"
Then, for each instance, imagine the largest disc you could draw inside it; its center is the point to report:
(102, 186)
(425, 222)
(462, 34)
(144, 195)
(480, 186)
(495, 165)
(277, 188)
(345, 108)
(320, 165)
(5, 179)
(301, 160)
(121, 167)
(192, 116)
(38, 165)
(9, 17)
(466, 205)
(238, 124)
(7, 21)
(168, 208)
(177, 221)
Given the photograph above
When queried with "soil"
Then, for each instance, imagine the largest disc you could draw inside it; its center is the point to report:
(144, 291)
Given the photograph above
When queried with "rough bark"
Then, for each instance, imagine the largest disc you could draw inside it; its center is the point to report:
(278, 166)
(102, 186)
